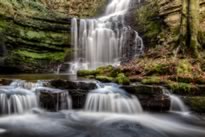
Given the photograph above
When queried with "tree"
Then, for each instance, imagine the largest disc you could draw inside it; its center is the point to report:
(189, 27)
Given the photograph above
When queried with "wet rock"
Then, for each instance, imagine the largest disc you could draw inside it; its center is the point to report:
(54, 99)
(151, 97)
(66, 84)
(195, 103)
(78, 90)
(5, 81)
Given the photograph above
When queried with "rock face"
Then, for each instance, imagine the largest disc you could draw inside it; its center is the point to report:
(158, 21)
(170, 11)
(151, 97)
(35, 34)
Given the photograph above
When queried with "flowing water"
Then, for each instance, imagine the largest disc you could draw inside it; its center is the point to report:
(21, 96)
(109, 111)
(176, 104)
(86, 124)
(112, 99)
(105, 40)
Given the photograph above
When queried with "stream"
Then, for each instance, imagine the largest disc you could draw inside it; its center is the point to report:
(62, 105)
(108, 111)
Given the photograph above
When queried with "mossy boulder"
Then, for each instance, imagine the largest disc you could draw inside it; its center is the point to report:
(84, 73)
(104, 78)
(181, 88)
(122, 79)
(196, 104)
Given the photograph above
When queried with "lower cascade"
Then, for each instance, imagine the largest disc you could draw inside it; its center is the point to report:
(16, 100)
(21, 96)
(176, 104)
(112, 99)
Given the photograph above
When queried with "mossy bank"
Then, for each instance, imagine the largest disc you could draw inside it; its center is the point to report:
(35, 35)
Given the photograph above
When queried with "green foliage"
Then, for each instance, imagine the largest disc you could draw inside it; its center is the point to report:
(158, 69)
(122, 79)
(147, 18)
(197, 104)
(179, 87)
(184, 67)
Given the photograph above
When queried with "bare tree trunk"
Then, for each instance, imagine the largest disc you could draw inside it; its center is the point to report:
(189, 26)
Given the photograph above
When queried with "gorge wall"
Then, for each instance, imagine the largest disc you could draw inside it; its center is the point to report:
(159, 20)
(35, 34)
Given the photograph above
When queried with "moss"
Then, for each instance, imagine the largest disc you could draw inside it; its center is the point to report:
(104, 78)
(180, 88)
(56, 56)
(157, 69)
(182, 78)
(152, 80)
(197, 104)
(84, 73)
(184, 67)
(104, 69)
(201, 38)
(148, 21)
(122, 79)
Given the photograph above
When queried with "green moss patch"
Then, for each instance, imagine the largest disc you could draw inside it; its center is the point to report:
(122, 79)
(104, 78)
(196, 104)
(55, 56)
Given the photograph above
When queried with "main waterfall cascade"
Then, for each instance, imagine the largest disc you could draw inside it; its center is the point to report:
(21, 96)
(105, 40)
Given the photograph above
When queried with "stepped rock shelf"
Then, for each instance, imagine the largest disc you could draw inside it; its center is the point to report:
(151, 97)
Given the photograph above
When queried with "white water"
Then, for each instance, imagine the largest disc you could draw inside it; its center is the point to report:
(176, 104)
(105, 40)
(16, 99)
(112, 99)
(86, 124)
(21, 96)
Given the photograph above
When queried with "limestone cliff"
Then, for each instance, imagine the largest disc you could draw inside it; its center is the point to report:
(35, 34)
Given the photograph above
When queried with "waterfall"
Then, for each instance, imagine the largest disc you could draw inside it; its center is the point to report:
(15, 99)
(112, 99)
(21, 96)
(106, 40)
(176, 104)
